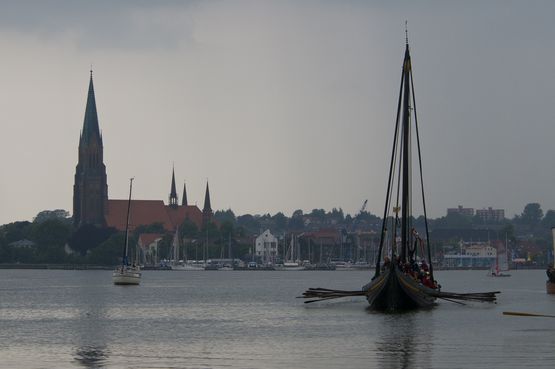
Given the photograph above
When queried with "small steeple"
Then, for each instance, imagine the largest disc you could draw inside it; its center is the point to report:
(207, 207)
(207, 210)
(184, 197)
(90, 123)
(173, 192)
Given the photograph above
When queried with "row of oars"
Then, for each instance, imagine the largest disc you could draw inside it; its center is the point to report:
(457, 297)
(322, 294)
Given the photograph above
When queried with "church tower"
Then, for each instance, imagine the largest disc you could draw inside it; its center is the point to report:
(173, 192)
(207, 209)
(90, 189)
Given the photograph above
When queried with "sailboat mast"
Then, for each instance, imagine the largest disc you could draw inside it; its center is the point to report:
(383, 234)
(428, 244)
(126, 245)
(405, 199)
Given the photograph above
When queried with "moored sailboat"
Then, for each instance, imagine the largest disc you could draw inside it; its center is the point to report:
(501, 264)
(292, 258)
(126, 273)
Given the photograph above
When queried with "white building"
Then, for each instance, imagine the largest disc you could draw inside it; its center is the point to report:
(471, 255)
(491, 215)
(266, 247)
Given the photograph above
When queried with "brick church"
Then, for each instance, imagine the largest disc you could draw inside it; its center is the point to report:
(90, 190)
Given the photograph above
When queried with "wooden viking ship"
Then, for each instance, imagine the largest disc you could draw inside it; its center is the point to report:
(404, 279)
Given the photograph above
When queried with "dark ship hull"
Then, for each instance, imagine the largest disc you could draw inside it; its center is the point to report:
(394, 290)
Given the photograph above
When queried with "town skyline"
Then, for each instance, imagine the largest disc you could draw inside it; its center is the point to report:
(277, 118)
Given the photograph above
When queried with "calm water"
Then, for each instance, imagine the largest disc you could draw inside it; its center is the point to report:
(244, 319)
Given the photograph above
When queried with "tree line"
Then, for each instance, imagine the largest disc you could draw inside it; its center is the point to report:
(53, 238)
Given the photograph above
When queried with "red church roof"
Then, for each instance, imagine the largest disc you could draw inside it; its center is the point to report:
(146, 212)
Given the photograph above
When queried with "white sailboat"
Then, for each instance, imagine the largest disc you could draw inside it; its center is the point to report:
(184, 265)
(501, 264)
(127, 274)
(292, 260)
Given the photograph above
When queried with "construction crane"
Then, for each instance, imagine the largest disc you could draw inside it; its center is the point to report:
(363, 207)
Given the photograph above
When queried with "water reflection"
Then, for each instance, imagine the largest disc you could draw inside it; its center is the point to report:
(91, 356)
(404, 341)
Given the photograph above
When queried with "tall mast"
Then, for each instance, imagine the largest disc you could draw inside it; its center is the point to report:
(125, 248)
(406, 159)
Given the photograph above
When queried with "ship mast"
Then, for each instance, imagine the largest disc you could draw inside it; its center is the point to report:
(400, 178)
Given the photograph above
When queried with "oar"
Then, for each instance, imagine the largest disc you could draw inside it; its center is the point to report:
(456, 302)
(516, 313)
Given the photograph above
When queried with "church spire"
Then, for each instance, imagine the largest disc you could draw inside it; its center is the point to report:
(91, 129)
(184, 197)
(207, 207)
(173, 193)
(90, 189)
(207, 210)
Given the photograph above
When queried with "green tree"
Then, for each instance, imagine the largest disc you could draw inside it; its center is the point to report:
(59, 214)
(249, 223)
(16, 231)
(188, 229)
(21, 255)
(210, 230)
(51, 235)
(337, 215)
(108, 252)
(549, 220)
(88, 236)
(51, 231)
(296, 222)
(280, 221)
(226, 229)
(508, 230)
(225, 215)
(532, 214)
(319, 214)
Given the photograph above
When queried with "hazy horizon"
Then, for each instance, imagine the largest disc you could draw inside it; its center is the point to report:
(281, 105)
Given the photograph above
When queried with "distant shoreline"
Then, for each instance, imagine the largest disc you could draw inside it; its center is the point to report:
(110, 267)
(57, 266)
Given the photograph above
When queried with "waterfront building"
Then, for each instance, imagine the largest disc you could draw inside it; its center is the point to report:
(471, 255)
(91, 204)
(266, 247)
(490, 215)
(462, 211)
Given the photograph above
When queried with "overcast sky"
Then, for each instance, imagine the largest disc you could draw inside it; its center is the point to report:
(281, 105)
